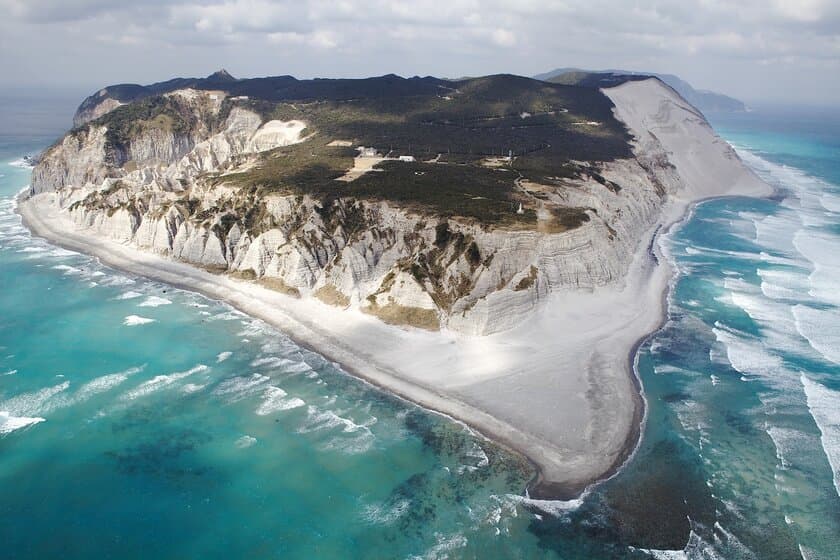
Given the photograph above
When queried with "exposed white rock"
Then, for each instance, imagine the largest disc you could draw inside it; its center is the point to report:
(494, 288)
(77, 161)
(407, 292)
(276, 133)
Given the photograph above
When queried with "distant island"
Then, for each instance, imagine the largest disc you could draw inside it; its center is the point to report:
(486, 247)
(706, 101)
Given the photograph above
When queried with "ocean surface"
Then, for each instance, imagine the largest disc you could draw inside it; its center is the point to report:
(141, 421)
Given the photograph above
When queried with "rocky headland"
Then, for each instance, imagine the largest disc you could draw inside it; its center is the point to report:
(486, 248)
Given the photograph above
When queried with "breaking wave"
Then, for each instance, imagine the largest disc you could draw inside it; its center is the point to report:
(821, 328)
(154, 301)
(824, 406)
(9, 423)
(160, 382)
(134, 320)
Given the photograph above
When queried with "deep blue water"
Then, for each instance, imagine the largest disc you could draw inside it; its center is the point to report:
(143, 421)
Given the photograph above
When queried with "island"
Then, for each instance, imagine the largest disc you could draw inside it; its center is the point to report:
(486, 248)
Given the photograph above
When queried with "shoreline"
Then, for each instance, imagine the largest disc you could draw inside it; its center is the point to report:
(539, 488)
(560, 389)
(659, 235)
(532, 449)
(655, 264)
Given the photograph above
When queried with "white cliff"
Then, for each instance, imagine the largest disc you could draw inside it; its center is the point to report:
(476, 280)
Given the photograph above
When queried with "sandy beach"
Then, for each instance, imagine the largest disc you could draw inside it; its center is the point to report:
(560, 388)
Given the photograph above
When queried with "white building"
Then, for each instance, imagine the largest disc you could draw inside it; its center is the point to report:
(406, 158)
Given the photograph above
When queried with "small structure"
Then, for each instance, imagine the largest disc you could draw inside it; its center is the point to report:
(367, 152)
(406, 158)
(520, 210)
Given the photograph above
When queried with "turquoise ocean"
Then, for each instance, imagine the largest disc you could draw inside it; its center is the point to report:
(142, 421)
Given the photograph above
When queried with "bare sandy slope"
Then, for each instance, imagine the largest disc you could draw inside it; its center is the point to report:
(559, 388)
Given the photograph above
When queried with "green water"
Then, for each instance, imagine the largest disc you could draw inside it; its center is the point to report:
(143, 421)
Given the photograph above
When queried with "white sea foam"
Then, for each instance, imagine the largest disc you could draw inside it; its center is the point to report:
(776, 231)
(9, 423)
(134, 320)
(381, 514)
(723, 545)
(739, 284)
(161, 382)
(444, 547)
(237, 388)
(36, 403)
(756, 362)
(807, 553)
(104, 383)
(268, 362)
(21, 163)
(477, 453)
(292, 366)
(68, 270)
(821, 328)
(325, 420)
(154, 301)
(274, 400)
(788, 443)
(118, 280)
(60, 253)
(824, 406)
(190, 388)
(830, 202)
(824, 254)
(555, 508)
(775, 320)
(131, 294)
(245, 441)
(732, 546)
(226, 316)
(760, 256)
(785, 284)
(358, 443)
(747, 356)
(10, 372)
(223, 356)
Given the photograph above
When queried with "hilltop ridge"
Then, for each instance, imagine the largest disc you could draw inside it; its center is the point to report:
(704, 100)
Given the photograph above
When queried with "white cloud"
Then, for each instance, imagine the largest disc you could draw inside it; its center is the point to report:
(503, 37)
(236, 16)
(318, 39)
(724, 41)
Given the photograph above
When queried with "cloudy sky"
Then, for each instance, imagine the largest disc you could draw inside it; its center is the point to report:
(778, 50)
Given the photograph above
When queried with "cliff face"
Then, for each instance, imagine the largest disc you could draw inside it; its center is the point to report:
(166, 187)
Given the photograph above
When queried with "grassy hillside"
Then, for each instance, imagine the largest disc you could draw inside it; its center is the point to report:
(454, 129)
